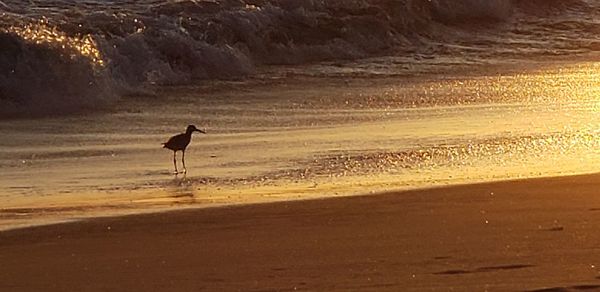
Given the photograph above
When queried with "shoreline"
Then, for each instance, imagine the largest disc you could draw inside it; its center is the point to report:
(291, 131)
(520, 234)
(154, 204)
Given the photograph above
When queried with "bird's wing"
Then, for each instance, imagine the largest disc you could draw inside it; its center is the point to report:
(175, 141)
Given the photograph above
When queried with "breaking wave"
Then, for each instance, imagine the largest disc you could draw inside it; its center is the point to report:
(64, 56)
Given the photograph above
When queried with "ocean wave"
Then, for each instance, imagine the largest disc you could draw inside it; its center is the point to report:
(65, 56)
(48, 78)
(549, 7)
(452, 11)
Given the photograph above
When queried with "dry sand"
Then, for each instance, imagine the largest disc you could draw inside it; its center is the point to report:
(519, 235)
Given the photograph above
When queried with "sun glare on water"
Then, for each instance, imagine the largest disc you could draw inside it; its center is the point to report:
(43, 32)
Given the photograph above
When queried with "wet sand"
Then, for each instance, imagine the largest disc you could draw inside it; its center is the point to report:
(298, 137)
(516, 235)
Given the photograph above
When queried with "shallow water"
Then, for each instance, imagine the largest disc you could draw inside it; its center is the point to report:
(302, 137)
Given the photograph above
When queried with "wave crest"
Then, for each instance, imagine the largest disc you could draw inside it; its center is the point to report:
(44, 77)
(115, 50)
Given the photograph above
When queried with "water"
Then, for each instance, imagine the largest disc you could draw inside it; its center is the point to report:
(66, 56)
(295, 105)
(302, 138)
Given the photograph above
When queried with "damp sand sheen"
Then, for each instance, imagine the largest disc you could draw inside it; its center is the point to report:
(284, 142)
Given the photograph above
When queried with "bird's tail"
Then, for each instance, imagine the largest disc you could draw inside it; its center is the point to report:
(164, 145)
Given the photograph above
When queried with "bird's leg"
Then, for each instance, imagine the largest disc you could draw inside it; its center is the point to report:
(175, 161)
(183, 161)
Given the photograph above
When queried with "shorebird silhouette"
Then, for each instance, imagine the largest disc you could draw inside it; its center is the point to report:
(179, 143)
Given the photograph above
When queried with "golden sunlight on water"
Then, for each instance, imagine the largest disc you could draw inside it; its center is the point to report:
(278, 142)
(43, 32)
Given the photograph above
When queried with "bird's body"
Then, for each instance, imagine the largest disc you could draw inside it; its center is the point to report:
(179, 143)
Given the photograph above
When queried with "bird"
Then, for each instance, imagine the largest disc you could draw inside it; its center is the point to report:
(179, 143)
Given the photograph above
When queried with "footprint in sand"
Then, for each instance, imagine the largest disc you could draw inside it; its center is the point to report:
(484, 269)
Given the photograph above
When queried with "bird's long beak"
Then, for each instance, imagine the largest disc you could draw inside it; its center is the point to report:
(201, 131)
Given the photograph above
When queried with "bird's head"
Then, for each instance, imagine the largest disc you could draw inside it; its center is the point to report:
(191, 128)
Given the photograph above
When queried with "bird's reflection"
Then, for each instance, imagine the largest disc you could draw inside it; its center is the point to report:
(182, 189)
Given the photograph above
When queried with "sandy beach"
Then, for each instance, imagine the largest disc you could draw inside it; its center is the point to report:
(522, 235)
(366, 145)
